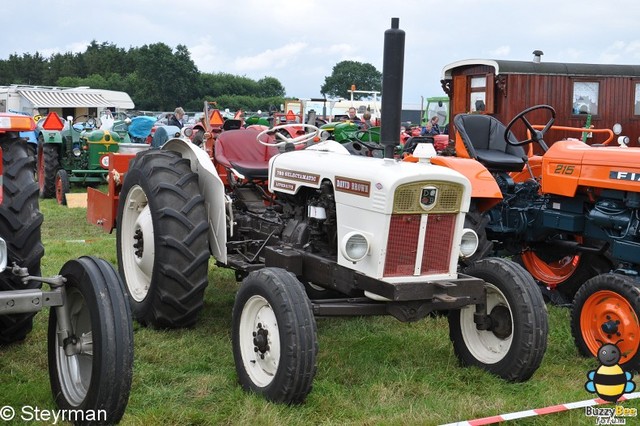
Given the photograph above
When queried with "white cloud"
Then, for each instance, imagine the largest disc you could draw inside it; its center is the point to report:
(499, 52)
(270, 58)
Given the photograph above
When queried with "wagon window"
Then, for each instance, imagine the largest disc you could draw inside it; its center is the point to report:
(585, 97)
(478, 94)
(636, 100)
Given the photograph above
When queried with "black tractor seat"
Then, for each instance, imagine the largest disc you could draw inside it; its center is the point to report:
(483, 138)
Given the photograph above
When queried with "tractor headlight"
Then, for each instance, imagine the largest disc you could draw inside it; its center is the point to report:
(468, 243)
(77, 151)
(3, 255)
(354, 246)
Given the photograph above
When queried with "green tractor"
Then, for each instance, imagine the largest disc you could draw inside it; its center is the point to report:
(77, 152)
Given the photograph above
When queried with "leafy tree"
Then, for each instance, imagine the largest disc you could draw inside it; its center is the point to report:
(270, 87)
(155, 76)
(347, 73)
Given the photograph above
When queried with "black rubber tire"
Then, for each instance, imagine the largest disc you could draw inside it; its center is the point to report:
(526, 342)
(478, 222)
(628, 289)
(62, 187)
(293, 379)
(48, 167)
(96, 303)
(20, 222)
(174, 292)
(32, 151)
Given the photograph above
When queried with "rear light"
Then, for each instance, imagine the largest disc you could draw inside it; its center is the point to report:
(16, 123)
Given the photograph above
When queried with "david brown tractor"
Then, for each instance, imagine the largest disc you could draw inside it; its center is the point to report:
(314, 231)
(571, 216)
(90, 335)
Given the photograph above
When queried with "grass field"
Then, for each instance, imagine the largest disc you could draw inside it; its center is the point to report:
(370, 370)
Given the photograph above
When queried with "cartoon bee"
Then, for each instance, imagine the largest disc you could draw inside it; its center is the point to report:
(609, 380)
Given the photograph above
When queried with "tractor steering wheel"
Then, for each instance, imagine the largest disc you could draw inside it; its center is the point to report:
(89, 123)
(299, 140)
(536, 135)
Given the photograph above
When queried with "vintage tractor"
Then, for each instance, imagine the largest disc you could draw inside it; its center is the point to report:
(75, 154)
(90, 335)
(571, 216)
(315, 231)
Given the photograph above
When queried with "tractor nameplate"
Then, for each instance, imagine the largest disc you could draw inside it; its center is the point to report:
(353, 186)
(624, 176)
(297, 175)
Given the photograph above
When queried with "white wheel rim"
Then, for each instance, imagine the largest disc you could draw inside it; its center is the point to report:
(74, 371)
(136, 227)
(257, 317)
(484, 345)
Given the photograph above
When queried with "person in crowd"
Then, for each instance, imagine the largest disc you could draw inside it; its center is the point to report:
(352, 115)
(176, 118)
(366, 121)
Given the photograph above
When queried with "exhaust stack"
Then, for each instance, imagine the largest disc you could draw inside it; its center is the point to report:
(392, 74)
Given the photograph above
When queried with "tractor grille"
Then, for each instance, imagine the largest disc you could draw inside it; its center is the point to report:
(407, 197)
(403, 243)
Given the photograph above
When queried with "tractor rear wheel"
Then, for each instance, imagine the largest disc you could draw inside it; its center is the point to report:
(564, 273)
(20, 221)
(513, 345)
(162, 240)
(274, 336)
(606, 309)
(48, 165)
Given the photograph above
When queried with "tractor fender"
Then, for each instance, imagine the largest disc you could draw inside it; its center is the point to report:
(51, 136)
(484, 189)
(212, 188)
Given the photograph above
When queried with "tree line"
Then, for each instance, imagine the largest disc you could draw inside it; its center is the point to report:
(156, 77)
(159, 78)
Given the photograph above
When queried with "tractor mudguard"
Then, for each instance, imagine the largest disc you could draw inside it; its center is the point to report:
(51, 136)
(212, 189)
(484, 189)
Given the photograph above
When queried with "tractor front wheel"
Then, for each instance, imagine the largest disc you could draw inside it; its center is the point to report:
(92, 367)
(162, 241)
(515, 338)
(606, 309)
(274, 336)
(62, 187)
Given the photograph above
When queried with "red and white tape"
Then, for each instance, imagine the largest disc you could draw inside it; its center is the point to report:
(540, 411)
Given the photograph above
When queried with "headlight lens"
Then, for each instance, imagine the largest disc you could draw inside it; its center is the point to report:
(468, 243)
(355, 246)
(76, 151)
(3, 255)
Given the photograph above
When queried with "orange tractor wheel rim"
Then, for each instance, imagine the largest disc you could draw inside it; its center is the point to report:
(550, 273)
(607, 317)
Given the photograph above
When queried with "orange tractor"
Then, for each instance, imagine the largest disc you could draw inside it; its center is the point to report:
(570, 216)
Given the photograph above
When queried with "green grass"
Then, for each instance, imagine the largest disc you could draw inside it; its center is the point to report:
(370, 370)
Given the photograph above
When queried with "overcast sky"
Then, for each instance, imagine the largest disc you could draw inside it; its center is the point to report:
(299, 41)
